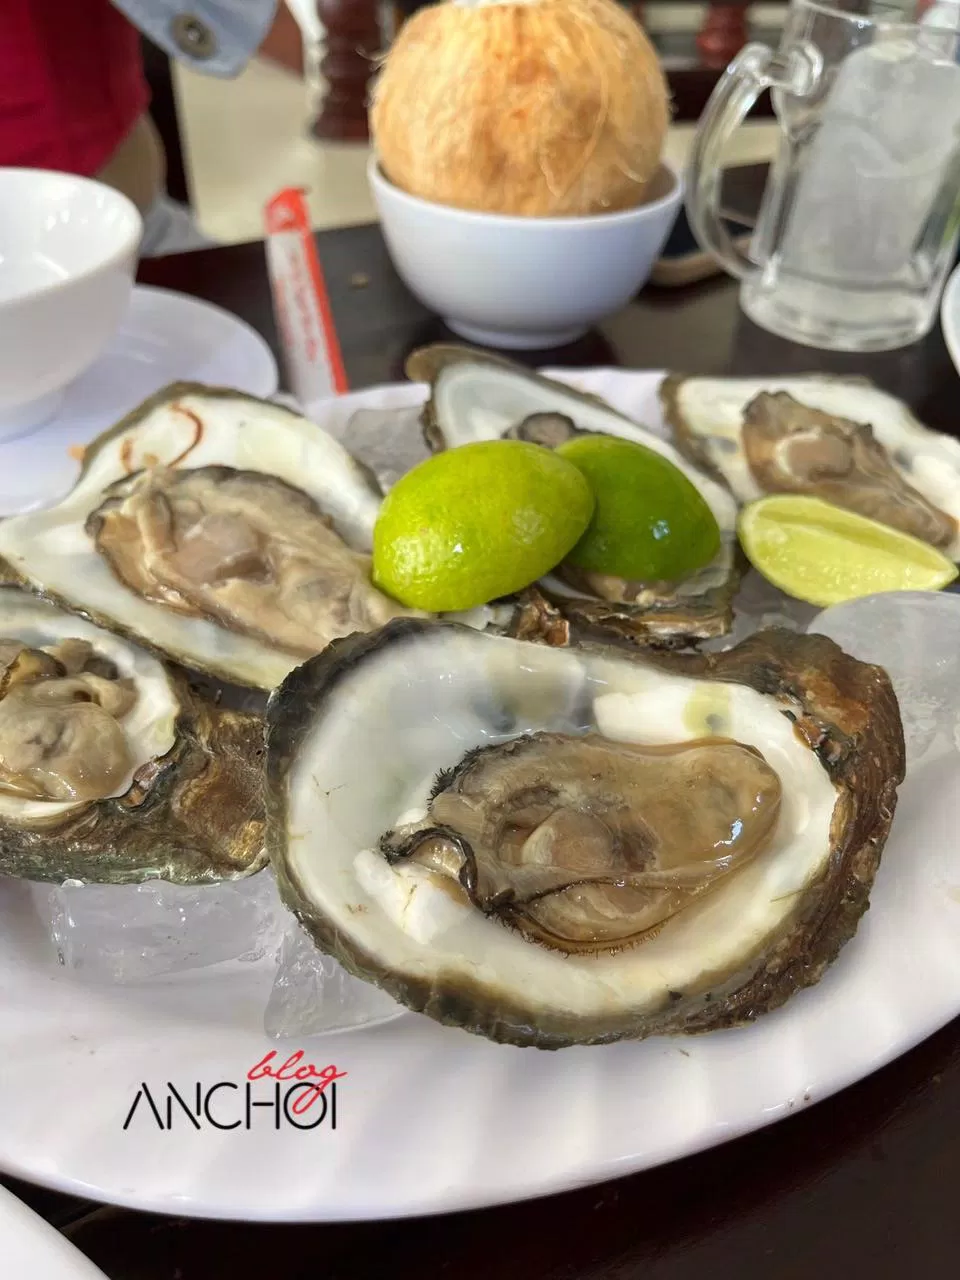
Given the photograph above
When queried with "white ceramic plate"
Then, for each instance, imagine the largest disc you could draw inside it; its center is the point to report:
(430, 1119)
(31, 1247)
(166, 337)
(950, 316)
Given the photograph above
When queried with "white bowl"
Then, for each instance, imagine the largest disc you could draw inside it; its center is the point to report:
(520, 282)
(68, 252)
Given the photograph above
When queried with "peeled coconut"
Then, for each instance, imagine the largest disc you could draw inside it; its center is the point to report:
(536, 107)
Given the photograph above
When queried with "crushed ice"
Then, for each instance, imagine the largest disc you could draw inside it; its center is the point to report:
(388, 441)
(915, 637)
(313, 994)
(131, 933)
(758, 605)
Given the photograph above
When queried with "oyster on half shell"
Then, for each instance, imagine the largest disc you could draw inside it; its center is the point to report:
(476, 396)
(225, 532)
(577, 845)
(113, 769)
(840, 439)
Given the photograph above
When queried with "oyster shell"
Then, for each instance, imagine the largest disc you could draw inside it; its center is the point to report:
(225, 532)
(112, 768)
(566, 846)
(840, 439)
(475, 396)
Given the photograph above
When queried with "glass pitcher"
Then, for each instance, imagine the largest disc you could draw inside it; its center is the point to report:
(860, 215)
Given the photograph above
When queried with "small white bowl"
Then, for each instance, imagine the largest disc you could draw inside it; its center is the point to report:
(518, 282)
(68, 253)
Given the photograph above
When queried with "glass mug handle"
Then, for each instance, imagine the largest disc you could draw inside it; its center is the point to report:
(755, 69)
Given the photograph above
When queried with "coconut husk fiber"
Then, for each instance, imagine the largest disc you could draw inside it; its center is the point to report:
(543, 108)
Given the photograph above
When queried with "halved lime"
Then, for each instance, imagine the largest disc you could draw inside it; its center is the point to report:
(824, 555)
(472, 524)
(651, 523)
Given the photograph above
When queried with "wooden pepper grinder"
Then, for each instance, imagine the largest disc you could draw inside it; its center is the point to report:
(353, 40)
(723, 34)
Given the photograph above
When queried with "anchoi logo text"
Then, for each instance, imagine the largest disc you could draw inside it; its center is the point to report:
(294, 1094)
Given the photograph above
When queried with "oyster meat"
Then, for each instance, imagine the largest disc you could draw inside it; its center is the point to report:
(112, 769)
(225, 532)
(557, 846)
(475, 396)
(842, 440)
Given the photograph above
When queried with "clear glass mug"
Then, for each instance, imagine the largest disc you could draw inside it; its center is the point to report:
(860, 215)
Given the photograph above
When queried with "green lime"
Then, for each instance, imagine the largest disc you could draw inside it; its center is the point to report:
(825, 555)
(475, 523)
(651, 524)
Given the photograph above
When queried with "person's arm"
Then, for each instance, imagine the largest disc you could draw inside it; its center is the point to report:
(215, 37)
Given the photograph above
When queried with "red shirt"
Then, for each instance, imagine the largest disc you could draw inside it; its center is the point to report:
(72, 84)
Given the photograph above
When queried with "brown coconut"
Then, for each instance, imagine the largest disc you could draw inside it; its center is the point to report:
(544, 107)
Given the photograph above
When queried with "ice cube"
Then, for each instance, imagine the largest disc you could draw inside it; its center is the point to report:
(915, 636)
(873, 169)
(313, 994)
(127, 933)
(759, 604)
(388, 441)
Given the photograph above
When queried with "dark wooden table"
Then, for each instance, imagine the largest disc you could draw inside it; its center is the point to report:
(863, 1185)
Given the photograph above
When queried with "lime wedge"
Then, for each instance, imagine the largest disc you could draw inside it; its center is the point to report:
(824, 555)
